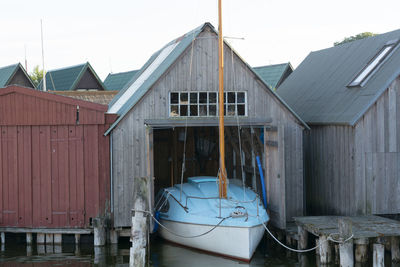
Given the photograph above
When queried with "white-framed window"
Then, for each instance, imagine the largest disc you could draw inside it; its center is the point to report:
(373, 64)
(205, 104)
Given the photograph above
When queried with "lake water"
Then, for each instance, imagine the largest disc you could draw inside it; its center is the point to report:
(163, 254)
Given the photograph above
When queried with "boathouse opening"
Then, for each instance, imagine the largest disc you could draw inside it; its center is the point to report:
(198, 148)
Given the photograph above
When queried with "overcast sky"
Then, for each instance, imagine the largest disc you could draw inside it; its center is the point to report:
(119, 35)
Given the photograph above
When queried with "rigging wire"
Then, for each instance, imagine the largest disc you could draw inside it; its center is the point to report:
(186, 120)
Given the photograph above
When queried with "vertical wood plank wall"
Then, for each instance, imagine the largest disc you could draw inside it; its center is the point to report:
(356, 170)
(52, 174)
(129, 151)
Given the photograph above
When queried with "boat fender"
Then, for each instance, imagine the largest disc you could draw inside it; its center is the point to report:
(157, 217)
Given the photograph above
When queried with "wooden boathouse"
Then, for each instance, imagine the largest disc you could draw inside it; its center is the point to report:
(167, 115)
(54, 163)
(350, 97)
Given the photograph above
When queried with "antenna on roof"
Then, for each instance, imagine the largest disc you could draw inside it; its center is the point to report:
(26, 62)
(44, 71)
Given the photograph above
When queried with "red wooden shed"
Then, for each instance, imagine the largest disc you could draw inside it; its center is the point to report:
(54, 160)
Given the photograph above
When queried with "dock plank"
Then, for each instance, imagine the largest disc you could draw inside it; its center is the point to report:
(363, 226)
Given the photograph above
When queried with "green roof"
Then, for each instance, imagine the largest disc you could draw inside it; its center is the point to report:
(117, 81)
(274, 75)
(6, 73)
(318, 90)
(66, 79)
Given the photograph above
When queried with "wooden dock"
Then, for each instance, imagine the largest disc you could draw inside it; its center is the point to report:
(364, 230)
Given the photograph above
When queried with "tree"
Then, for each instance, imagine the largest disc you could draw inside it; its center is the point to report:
(355, 37)
(36, 75)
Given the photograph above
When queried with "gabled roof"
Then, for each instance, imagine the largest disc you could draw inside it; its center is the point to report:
(274, 75)
(318, 89)
(155, 67)
(8, 72)
(68, 78)
(117, 81)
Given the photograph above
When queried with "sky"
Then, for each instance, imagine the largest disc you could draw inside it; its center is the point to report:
(120, 35)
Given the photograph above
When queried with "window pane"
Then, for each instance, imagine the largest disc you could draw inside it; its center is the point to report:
(183, 110)
(212, 110)
(193, 98)
(231, 110)
(224, 110)
(212, 97)
(174, 98)
(241, 110)
(193, 110)
(231, 97)
(203, 110)
(184, 99)
(241, 97)
(174, 111)
(224, 97)
(203, 98)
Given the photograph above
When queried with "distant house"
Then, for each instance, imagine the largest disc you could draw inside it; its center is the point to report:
(117, 81)
(15, 75)
(350, 97)
(79, 77)
(275, 74)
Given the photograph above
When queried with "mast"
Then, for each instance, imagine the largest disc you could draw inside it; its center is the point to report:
(222, 172)
(44, 71)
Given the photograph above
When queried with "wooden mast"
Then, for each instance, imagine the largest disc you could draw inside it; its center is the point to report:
(222, 172)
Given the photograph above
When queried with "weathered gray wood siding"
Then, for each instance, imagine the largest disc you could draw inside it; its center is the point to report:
(330, 186)
(377, 155)
(129, 153)
(356, 170)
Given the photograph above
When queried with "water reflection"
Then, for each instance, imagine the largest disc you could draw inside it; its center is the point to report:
(162, 254)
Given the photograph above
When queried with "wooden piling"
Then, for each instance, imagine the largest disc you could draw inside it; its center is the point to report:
(40, 238)
(378, 255)
(325, 250)
(303, 238)
(49, 239)
(28, 250)
(28, 238)
(99, 232)
(3, 237)
(346, 248)
(395, 250)
(361, 252)
(57, 239)
(139, 231)
(113, 236)
(77, 239)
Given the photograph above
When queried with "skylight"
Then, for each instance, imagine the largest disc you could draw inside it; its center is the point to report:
(115, 108)
(375, 63)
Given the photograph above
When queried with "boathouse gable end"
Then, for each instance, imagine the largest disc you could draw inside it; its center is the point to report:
(147, 141)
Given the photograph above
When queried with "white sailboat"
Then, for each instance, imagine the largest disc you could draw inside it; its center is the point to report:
(209, 213)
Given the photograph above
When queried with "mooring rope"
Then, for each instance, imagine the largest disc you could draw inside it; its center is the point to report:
(179, 235)
(329, 238)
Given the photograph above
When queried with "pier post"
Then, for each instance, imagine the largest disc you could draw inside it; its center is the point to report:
(395, 250)
(379, 253)
(140, 225)
(77, 239)
(40, 238)
(57, 239)
(99, 232)
(346, 249)
(49, 239)
(29, 238)
(303, 237)
(361, 249)
(113, 236)
(325, 250)
(3, 237)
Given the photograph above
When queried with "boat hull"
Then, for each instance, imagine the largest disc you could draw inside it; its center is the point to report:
(234, 242)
